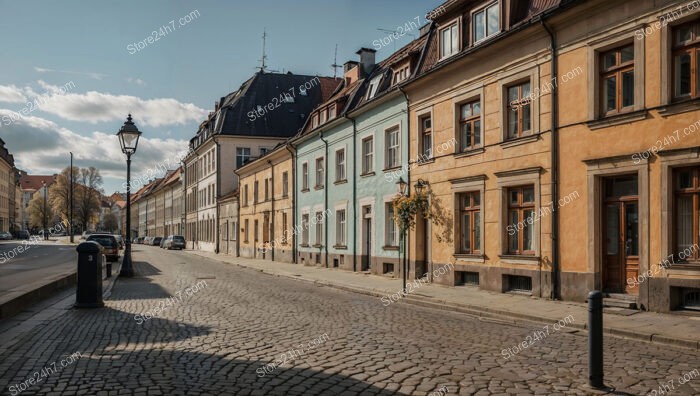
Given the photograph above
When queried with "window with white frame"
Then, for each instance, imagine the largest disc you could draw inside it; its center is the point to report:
(340, 165)
(319, 173)
(486, 22)
(449, 40)
(367, 155)
(242, 156)
(391, 229)
(305, 176)
(331, 112)
(319, 228)
(373, 87)
(340, 227)
(305, 229)
(393, 155)
(285, 184)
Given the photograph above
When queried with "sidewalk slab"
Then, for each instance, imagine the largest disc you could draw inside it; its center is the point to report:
(667, 329)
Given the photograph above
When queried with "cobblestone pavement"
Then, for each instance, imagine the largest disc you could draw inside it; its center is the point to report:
(220, 325)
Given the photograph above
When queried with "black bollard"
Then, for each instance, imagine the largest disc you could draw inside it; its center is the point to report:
(595, 339)
(88, 293)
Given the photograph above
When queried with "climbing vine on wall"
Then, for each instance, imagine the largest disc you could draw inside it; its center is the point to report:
(428, 206)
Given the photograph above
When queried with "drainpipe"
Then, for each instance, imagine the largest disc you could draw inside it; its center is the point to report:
(292, 150)
(354, 193)
(218, 192)
(238, 222)
(408, 180)
(555, 293)
(325, 198)
(272, 208)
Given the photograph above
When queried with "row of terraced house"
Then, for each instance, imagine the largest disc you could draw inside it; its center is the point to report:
(560, 137)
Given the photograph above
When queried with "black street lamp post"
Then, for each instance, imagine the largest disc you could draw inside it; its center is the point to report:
(128, 139)
(46, 236)
(403, 190)
(70, 221)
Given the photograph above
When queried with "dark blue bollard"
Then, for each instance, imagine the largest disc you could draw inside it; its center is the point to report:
(595, 339)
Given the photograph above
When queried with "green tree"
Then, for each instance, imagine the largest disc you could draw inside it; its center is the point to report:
(35, 210)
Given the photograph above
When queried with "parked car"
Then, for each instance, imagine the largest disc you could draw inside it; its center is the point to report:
(174, 242)
(162, 242)
(24, 234)
(156, 241)
(109, 243)
(5, 236)
(120, 240)
(148, 240)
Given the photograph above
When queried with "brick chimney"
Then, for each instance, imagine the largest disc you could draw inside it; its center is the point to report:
(352, 72)
(367, 61)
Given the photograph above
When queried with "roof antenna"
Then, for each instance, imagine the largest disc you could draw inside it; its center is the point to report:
(264, 54)
(335, 66)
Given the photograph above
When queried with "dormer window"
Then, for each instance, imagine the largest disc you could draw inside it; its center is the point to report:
(314, 121)
(401, 74)
(331, 112)
(323, 116)
(302, 91)
(449, 40)
(373, 87)
(486, 22)
(288, 99)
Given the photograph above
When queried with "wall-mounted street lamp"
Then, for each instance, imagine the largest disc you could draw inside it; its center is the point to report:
(128, 139)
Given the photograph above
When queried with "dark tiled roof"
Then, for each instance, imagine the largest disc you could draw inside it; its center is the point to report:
(524, 12)
(236, 112)
(5, 155)
(411, 51)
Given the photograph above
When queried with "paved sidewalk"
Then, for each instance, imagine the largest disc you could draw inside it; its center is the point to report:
(670, 329)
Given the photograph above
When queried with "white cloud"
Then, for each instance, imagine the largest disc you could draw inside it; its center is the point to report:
(92, 75)
(41, 146)
(136, 81)
(12, 94)
(94, 107)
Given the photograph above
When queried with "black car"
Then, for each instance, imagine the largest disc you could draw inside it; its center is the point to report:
(24, 234)
(156, 241)
(109, 243)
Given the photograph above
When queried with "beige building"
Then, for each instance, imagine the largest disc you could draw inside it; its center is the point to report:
(7, 189)
(267, 207)
(481, 142)
(265, 111)
(228, 224)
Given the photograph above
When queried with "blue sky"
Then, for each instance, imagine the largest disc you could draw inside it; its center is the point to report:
(76, 63)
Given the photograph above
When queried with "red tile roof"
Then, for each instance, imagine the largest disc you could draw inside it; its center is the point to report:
(33, 182)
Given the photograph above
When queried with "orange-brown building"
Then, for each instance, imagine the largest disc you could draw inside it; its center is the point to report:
(630, 145)
(564, 139)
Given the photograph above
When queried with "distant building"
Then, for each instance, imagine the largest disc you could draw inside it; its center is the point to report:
(30, 184)
(7, 188)
(265, 111)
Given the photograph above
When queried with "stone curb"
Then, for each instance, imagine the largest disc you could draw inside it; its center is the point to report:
(481, 313)
(15, 305)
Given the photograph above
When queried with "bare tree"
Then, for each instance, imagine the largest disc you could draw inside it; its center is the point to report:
(59, 194)
(110, 222)
(88, 194)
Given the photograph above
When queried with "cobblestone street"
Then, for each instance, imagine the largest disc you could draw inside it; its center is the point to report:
(218, 326)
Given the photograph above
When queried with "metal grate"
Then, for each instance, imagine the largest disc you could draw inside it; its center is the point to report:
(519, 283)
(467, 278)
(691, 299)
